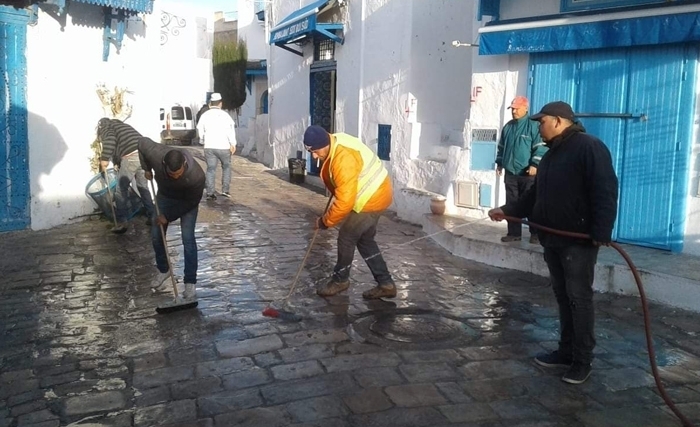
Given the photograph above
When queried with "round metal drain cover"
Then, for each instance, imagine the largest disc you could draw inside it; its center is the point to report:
(412, 330)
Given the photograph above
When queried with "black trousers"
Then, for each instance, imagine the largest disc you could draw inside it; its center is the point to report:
(516, 186)
(571, 271)
(359, 230)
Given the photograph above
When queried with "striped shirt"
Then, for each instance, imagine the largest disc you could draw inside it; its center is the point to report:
(118, 139)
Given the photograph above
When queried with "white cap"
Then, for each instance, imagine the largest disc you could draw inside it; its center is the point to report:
(216, 96)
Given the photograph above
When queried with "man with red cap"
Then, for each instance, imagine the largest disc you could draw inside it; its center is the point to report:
(362, 190)
(520, 150)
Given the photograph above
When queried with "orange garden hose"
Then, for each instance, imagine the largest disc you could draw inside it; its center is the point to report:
(645, 310)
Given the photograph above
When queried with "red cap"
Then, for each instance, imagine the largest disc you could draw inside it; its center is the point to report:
(519, 101)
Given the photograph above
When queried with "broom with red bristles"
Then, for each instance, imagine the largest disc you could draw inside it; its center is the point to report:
(278, 313)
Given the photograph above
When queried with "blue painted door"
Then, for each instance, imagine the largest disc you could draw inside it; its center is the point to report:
(14, 165)
(656, 154)
(639, 102)
(322, 108)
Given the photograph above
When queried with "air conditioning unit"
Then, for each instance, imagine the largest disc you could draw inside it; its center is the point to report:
(467, 194)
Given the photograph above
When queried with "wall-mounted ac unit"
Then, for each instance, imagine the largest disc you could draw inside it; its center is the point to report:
(467, 194)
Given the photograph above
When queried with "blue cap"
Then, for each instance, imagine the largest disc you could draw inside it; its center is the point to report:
(316, 138)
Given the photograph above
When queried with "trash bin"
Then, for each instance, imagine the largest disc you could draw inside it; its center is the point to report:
(297, 170)
(96, 189)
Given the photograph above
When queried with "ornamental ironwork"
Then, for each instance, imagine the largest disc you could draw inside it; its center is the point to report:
(170, 25)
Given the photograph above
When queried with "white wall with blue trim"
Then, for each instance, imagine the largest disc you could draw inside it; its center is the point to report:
(511, 73)
(64, 67)
(289, 93)
(396, 67)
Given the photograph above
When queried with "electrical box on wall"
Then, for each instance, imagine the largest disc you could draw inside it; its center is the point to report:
(467, 194)
(484, 145)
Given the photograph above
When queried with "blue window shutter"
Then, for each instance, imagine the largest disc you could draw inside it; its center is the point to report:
(489, 8)
(384, 142)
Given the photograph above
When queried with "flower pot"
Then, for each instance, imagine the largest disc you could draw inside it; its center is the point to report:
(437, 205)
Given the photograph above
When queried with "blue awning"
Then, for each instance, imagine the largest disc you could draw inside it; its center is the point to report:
(589, 33)
(141, 6)
(302, 23)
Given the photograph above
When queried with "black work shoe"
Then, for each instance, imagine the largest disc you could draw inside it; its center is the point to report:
(333, 287)
(211, 196)
(578, 373)
(534, 239)
(507, 239)
(553, 360)
(386, 290)
(149, 221)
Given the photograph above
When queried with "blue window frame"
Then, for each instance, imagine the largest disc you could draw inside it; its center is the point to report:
(489, 8)
(384, 142)
(578, 5)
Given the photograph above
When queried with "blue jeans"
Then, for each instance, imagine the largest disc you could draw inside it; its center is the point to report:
(187, 224)
(571, 272)
(130, 170)
(359, 230)
(214, 156)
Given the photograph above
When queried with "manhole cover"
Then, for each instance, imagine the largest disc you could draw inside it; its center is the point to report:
(412, 330)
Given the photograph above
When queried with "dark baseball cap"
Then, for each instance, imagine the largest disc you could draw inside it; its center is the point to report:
(556, 109)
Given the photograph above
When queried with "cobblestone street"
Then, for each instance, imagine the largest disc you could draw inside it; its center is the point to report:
(81, 343)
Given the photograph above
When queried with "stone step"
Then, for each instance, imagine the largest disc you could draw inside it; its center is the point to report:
(671, 279)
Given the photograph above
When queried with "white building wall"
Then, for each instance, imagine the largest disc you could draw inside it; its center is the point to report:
(184, 81)
(436, 107)
(251, 30)
(64, 68)
(350, 70)
(396, 67)
(289, 94)
(511, 9)
(501, 77)
(691, 244)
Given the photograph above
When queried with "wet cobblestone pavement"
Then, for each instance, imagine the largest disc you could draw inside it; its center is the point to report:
(81, 344)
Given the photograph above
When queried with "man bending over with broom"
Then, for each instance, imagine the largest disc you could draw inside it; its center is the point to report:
(180, 185)
(362, 189)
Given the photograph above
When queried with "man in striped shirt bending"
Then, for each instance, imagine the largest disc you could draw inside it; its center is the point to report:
(120, 145)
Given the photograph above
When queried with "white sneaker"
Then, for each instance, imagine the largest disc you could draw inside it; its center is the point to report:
(160, 281)
(190, 292)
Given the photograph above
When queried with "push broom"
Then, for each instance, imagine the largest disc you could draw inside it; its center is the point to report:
(178, 303)
(271, 311)
(117, 229)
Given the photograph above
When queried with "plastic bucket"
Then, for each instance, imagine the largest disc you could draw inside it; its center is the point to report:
(96, 189)
(297, 170)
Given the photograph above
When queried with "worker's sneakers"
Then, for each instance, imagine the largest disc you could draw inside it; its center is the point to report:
(385, 290)
(190, 292)
(578, 373)
(160, 281)
(553, 360)
(211, 196)
(226, 194)
(333, 287)
(506, 239)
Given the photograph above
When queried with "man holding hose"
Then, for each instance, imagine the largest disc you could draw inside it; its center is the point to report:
(575, 190)
(362, 190)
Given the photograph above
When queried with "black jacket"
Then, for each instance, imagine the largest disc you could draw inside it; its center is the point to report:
(575, 190)
(188, 188)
